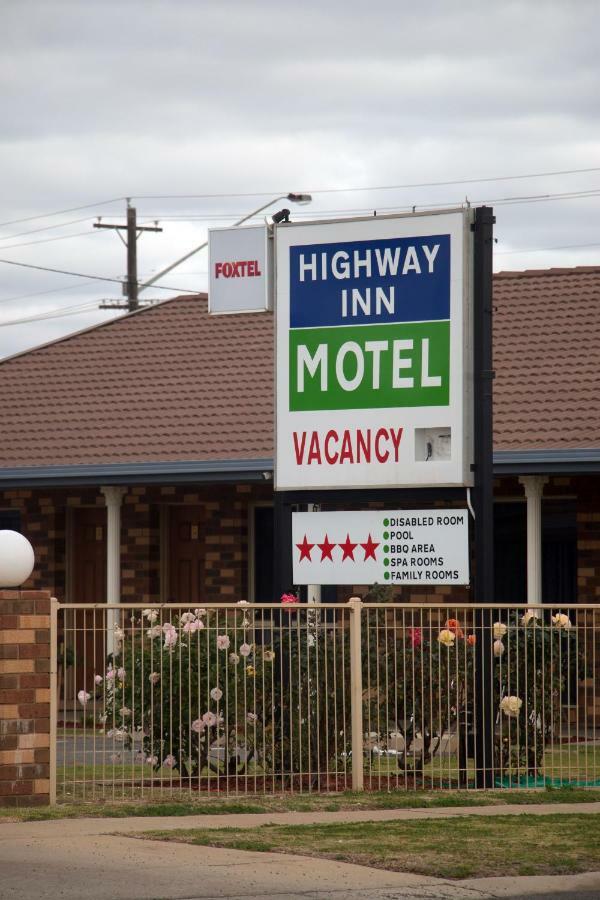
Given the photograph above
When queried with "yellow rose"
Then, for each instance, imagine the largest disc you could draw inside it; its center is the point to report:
(446, 637)
(561, 621)
(511, 706)
(499, 630)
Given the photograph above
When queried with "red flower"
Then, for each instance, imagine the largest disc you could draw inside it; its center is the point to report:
(416, 636)
(288, 599)
(453, 625)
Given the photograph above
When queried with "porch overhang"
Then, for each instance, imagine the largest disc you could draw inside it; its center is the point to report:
(570, 461)
(173, 472)
(564, 461)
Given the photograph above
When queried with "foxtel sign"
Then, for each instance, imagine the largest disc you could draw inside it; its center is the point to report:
(374, 352)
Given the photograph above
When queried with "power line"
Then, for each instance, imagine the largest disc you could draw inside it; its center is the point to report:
(10, 262)
(60, 237)
(385, 187)
(366, 210)
(61, 212)
(388, 187)
(544, 249)
(9, 237)
(71, 287)
(52, 314)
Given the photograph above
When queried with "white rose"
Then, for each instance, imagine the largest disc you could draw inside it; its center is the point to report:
(530, 618)
(498, 648)
(499, 630)
(511, 706)
(561, 621)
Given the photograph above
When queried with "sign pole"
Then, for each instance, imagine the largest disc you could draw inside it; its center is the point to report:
(282, 546)
(485, 713)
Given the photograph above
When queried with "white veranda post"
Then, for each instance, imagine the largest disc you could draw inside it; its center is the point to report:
(534, 489)
(113, 497)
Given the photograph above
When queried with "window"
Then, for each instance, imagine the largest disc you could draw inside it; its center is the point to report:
(10, 520)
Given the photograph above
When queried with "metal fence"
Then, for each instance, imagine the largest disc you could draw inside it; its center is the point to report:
(264, 698)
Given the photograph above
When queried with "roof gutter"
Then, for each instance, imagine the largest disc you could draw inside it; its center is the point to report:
(175, 472)
(506, 462)
(567, 461)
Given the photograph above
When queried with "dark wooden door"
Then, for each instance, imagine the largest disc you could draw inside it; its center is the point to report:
(89, 555)
(186, 555)
(84, 634)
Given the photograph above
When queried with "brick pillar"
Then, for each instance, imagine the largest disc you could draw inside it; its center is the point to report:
(24, 698)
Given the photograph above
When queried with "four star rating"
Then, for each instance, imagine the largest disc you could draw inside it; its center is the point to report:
(348, 549)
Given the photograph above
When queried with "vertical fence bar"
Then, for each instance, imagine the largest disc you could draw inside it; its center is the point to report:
(53, 695)
(356, 691)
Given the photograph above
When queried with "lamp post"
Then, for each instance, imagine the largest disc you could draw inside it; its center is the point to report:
(300, 199)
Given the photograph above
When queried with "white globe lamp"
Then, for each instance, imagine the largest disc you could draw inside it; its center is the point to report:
(16, 559)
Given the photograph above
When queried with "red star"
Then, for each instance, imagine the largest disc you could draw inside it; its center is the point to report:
(369, 547)
(326, 549)
(305, 549)
(348, 549)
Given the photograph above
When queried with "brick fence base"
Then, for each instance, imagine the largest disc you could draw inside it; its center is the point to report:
(24, 698)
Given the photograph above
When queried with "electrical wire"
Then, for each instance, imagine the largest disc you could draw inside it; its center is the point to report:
(345, 190)
(60, 237)
(9, 237)
(53, 314)
(71, 287)
(10, 262)
(62, 212)
(386, 187)
(544, 249)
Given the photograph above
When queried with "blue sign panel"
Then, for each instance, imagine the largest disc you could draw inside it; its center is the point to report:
(364, 282)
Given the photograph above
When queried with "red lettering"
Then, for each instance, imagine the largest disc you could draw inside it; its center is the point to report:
(314, 452)
(240, 268)
(381, 457)
(331, 458)
(299, 449)
(363, 446)
(346, 451)
(396, 438)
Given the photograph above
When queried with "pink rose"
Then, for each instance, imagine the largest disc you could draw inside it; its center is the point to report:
(288, 599)
(415, 636)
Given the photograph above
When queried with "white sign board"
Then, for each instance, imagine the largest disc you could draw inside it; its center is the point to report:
(416, 546)
(239, 270)
(373, 352)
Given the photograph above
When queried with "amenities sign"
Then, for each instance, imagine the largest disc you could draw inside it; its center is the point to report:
(421, 546)
(372, 350)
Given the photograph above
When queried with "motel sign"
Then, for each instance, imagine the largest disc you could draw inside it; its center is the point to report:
(374, 352)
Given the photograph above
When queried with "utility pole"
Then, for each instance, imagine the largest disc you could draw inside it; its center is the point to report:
(131, 286)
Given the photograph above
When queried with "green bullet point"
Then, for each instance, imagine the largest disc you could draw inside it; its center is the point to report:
(386, 535)
(386, 561)
(386, 549)
(386, 522)
(386, 575)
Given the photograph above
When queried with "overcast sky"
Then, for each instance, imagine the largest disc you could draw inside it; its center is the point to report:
(162, 99)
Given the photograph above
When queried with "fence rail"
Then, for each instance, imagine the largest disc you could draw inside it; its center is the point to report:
(265, 698)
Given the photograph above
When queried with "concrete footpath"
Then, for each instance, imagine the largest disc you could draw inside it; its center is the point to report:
(94, 858)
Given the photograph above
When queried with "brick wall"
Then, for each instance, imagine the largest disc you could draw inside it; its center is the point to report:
(225, 538)
(24, 698)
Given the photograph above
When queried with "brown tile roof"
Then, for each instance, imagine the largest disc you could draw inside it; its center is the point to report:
(547, 359)
(173, 383)
(167, 383)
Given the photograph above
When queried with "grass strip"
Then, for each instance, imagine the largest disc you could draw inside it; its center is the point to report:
(467, 847)
(212, 806)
